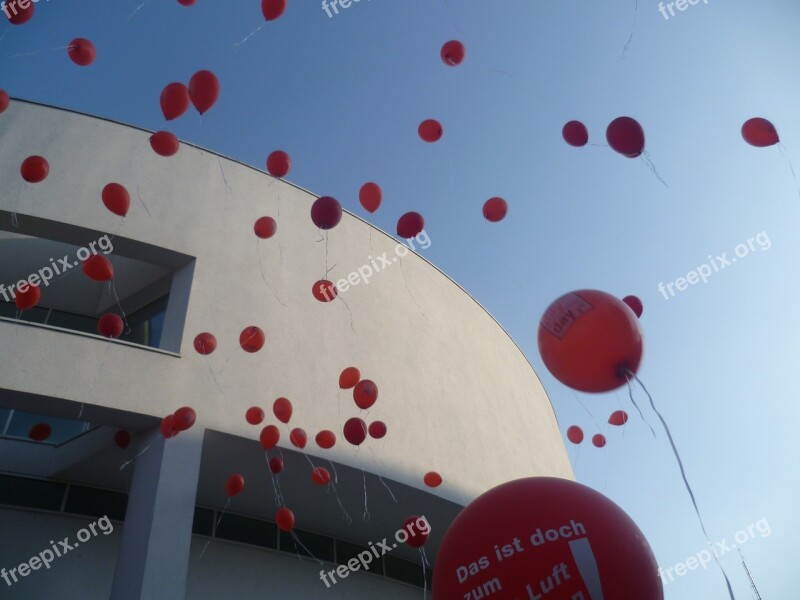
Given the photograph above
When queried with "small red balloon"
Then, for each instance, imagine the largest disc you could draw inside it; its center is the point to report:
(82, 52)
(349, 378)
(417, 534)
(599, 440)
(270, 436)
(635, 305)
(184, 418)
(116, 199)
(164, 143)
(254, 415)
(575, 434)
(453, 53)
(272, 9)
(282, 409)
(279, 163)
(365, 394)
(355, 431)
(298, 438)
(34, 169)
(575, 134)
(122, 439)
(324, 290)
(27, 298)
(430, 130)
(276, 464)
(234, 485)
(98, 268)
(320, 476)
(40, 432)
(205, 343)
(625, 136)
(284, 518)
(370, 195)
(174, 100)
(4, 101)
(618, 417)
(325, 439)
(203, 90)
(326, 212)
(760, 133)
(265, 227)
(377, 429)
(432, 479)
(110, 325)
(252, 339)
(495, 209)
(410, 225)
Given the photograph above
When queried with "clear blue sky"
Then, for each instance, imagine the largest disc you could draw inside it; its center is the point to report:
(344, 96)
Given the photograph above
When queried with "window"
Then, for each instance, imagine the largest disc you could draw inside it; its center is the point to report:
(96, 503)
(32, 493)
(248, 531)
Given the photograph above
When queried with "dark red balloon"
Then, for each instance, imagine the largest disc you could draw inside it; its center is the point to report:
(16, 14)
(760, 133)
(320, 476)
(575, 134)
(272, 9)
(168, 428)
(187, 2)
(324, 290)
(430, 130)
(27, 296)
(370, 195)
(34, 169)
(276, 464)
(453, 53)
(432, 479)
(575, 434)
(234, 485)
(625, 136)
(82, 52)
(325, 439)
(184, 418)
(349, 378)
(377, 429)
(203, 90)
(279, 163)
(599, 440)
(40, 432)
(98, 268)
(417, 534)
(165, 143)
(174, 100)
(4, 101)
(588, 339)
(365, 394)
(298, 438)
(282, 409)
(495, 209)
(205, 343)
(116, 199)
(252, 339)
(265, 227)
(618, 417)
(110, 325)
(122, 439)
(270, 436)
(254, 415)
(355, 431)
(284, 518)
(410, 224)
(634, 304)
(326, 212)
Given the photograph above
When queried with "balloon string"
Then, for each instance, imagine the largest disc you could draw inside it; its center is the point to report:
(652, 167)
(403, 271)
(215, 527)
(297, 541)
(263, 276)
(235, 350)
(38, 52)
(633, 28)
(630, 393)
(249, 36)
(138, 8)
(139, 193)
(225, 179)
(782, 149)
(14, 219)
(366, 516)
(113, 287)
(208, 364)
(94, 378)
(126, 463)
(425, 565)
(350, 312)
(685, 480)
(377, 467)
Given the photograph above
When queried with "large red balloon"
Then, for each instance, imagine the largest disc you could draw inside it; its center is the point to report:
(279, 163)
(174, 100)
(377, 429)
(410, 224)
(416, 535)
(203, 90)
(575, 434)
(205, 343)
(326, 212)
(15, 12)
(634, 304)
(298, 438)
(495, 209)
(254, 415)
(324, 290)
(270, 436)
(116, 199)
(349, 378)
(575, 134)
(760, 133)
(320, 476)
(265, 227)
(626, 136)
(98, 268)
(325, 439)
(284, 519)
(282, 409)
(4, 101)
(40, 432)
(272, 9)
(589, 339)
(432, 479)
(430, 130)
(234, 485)
(252, 339)
(355, 431)
(110, 325)
(34, 169)
(165, 143)
(184, 418)
(547, 538)
(365, 394)
(618, 417)
(28, 297)
(82, 52)
(370, 195)
(453, 53)
(122, 439)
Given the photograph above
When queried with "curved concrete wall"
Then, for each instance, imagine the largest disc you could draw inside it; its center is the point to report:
(457, 394)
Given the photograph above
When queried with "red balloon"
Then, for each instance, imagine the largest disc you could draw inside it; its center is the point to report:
(110, 325)
(453, 53)
(417, 534)
(370, 195)
(618, 417)
(575, 134)
(355, 431)
(325, 439)
(98, 268)
(326, 212)
(252, 339)
(377, 429)
(626, 136)
(298, 438)
(282, 409)
(82, 52)
(122, 439)
(410, 225)
(34, 169)
(203, 90)
(116, 199)
(40, 432)
(16, 14)
(349, 378)
(272, 9)
(760, 133)
(432, 479)
(254, 415)
(184, 418)
(265, 227)
(575, 434)
(174, 100)
(599, 440)
(284, 519)
(365, 394)
(495, 209)
(167, 427)
(165, 143)
(187, 2)
(571, 539)
(324, 290)
(4, 101)
(279, 163)
(589, 339)
(234, 485)
(320, 476)
(430, 130)
(276, 464)
(270, 436)
(205, 343)
(634, 304)
(27, 298)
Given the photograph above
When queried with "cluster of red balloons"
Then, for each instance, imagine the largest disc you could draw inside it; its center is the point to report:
(203, 92)
(181, 420)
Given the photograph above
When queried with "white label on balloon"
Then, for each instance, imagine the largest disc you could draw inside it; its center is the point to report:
(563, 315)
